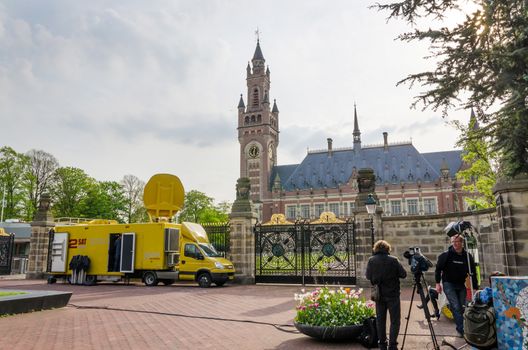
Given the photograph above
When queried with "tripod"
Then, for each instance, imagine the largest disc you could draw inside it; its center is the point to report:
(418, 279)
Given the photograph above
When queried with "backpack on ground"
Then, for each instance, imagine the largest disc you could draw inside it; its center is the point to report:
(479, 326)
(369, 334)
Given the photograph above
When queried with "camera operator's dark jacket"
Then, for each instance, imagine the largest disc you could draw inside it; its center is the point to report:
(453, 267)
(385, 271)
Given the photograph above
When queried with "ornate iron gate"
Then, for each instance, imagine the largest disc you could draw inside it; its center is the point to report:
(7, 245)
(305, 253)
(218, 234)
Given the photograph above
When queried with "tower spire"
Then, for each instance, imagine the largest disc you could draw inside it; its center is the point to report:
(356, 134)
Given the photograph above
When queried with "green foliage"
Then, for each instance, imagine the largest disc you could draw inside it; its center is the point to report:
(70, 187)
(133, 194)
(479, 175)
(198, 207)
(13, 165)
(332, 307)
(75, 194)
(483, 57)
(104, 200)
(37, 179)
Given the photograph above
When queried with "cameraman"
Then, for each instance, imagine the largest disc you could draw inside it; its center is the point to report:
(385, 271)
(452, 269)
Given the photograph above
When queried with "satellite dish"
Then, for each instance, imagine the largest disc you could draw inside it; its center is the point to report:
(163, 196)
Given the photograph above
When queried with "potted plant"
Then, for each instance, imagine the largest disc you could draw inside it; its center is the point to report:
(332, 314)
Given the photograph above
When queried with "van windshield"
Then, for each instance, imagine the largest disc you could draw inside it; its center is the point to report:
(209, 250)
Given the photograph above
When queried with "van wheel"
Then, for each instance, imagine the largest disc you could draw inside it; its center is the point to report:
(90, 280)
(220, 284)
(204, 280)
(150, 279)
(168, 282)
(51, 280)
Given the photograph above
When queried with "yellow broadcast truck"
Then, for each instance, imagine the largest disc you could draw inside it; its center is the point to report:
(158, 251)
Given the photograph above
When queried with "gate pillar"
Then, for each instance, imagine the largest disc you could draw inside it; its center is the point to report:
(242, 239)
(512, 203)
(365, 227)
(38, 248)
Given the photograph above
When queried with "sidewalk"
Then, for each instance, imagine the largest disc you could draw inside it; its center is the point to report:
(182, 316)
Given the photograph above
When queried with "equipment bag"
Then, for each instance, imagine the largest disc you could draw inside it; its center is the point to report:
(479, 326)
(369, 335)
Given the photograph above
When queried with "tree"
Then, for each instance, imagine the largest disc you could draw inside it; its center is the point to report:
(70, 187)
(38, 178)
(12, 168)
(198, 207)
(104, 200)
(484, 57)
(479, 175)
(133, 192)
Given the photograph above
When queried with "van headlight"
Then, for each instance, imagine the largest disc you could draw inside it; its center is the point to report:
(219, 265)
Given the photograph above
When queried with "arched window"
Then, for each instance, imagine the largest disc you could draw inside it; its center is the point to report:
(252, 118)
(255, 98)
(246, 120)
(259, 118)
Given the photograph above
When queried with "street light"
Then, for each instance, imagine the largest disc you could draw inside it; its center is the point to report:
(370, 203)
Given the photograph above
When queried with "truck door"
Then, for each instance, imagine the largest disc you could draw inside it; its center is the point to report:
(128, 248)
(59, 252)
(191, 262)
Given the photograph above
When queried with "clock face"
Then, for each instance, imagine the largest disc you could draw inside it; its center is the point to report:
(253, 151)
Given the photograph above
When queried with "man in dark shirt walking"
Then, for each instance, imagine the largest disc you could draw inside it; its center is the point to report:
(385, 271)
(452, 269)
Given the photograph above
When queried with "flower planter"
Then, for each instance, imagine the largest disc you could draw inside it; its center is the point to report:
(330, 333)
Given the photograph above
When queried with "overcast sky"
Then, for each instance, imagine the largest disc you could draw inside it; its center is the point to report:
(141, 87)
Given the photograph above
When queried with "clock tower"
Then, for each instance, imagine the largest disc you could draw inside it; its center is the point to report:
(258, 130)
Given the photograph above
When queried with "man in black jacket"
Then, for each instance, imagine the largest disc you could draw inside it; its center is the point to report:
(385, 271)
(452, 269)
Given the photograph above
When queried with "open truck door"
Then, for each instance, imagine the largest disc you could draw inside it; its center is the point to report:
(128, 248)
(59, 252)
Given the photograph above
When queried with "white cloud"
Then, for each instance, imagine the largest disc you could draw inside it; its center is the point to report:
(136, 87)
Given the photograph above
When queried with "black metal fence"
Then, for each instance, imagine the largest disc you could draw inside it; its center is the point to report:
(305, 253)
(7, 245)
(218, 234)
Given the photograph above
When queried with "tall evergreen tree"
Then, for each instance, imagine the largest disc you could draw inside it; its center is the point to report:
(482, 61)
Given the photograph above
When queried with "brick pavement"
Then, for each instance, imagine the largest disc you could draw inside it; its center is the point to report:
(175, 317)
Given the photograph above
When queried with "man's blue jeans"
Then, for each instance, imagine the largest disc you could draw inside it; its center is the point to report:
(456, 296)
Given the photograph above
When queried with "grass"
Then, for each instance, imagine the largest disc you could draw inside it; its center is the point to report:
(6, 294)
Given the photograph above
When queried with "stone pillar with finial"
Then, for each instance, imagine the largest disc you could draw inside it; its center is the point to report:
(368, 227)
(38, 249)
(242, 240)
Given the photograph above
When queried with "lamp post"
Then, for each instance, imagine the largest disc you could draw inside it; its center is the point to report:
(370, 203)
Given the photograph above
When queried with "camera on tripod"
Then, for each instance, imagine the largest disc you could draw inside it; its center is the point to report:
(418, 262)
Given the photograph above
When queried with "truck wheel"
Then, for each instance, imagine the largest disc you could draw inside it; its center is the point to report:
(51, 280)
(150, 279)
(90, 280)
(220, 284)
(168, 282)
(204, 280)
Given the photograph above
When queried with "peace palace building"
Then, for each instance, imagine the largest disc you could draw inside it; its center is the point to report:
(407, 182)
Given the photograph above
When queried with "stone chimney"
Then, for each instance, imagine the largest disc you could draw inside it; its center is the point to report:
(385, 142)
(329, 140)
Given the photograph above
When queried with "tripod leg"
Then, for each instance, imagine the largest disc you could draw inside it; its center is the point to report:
(408, 316)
